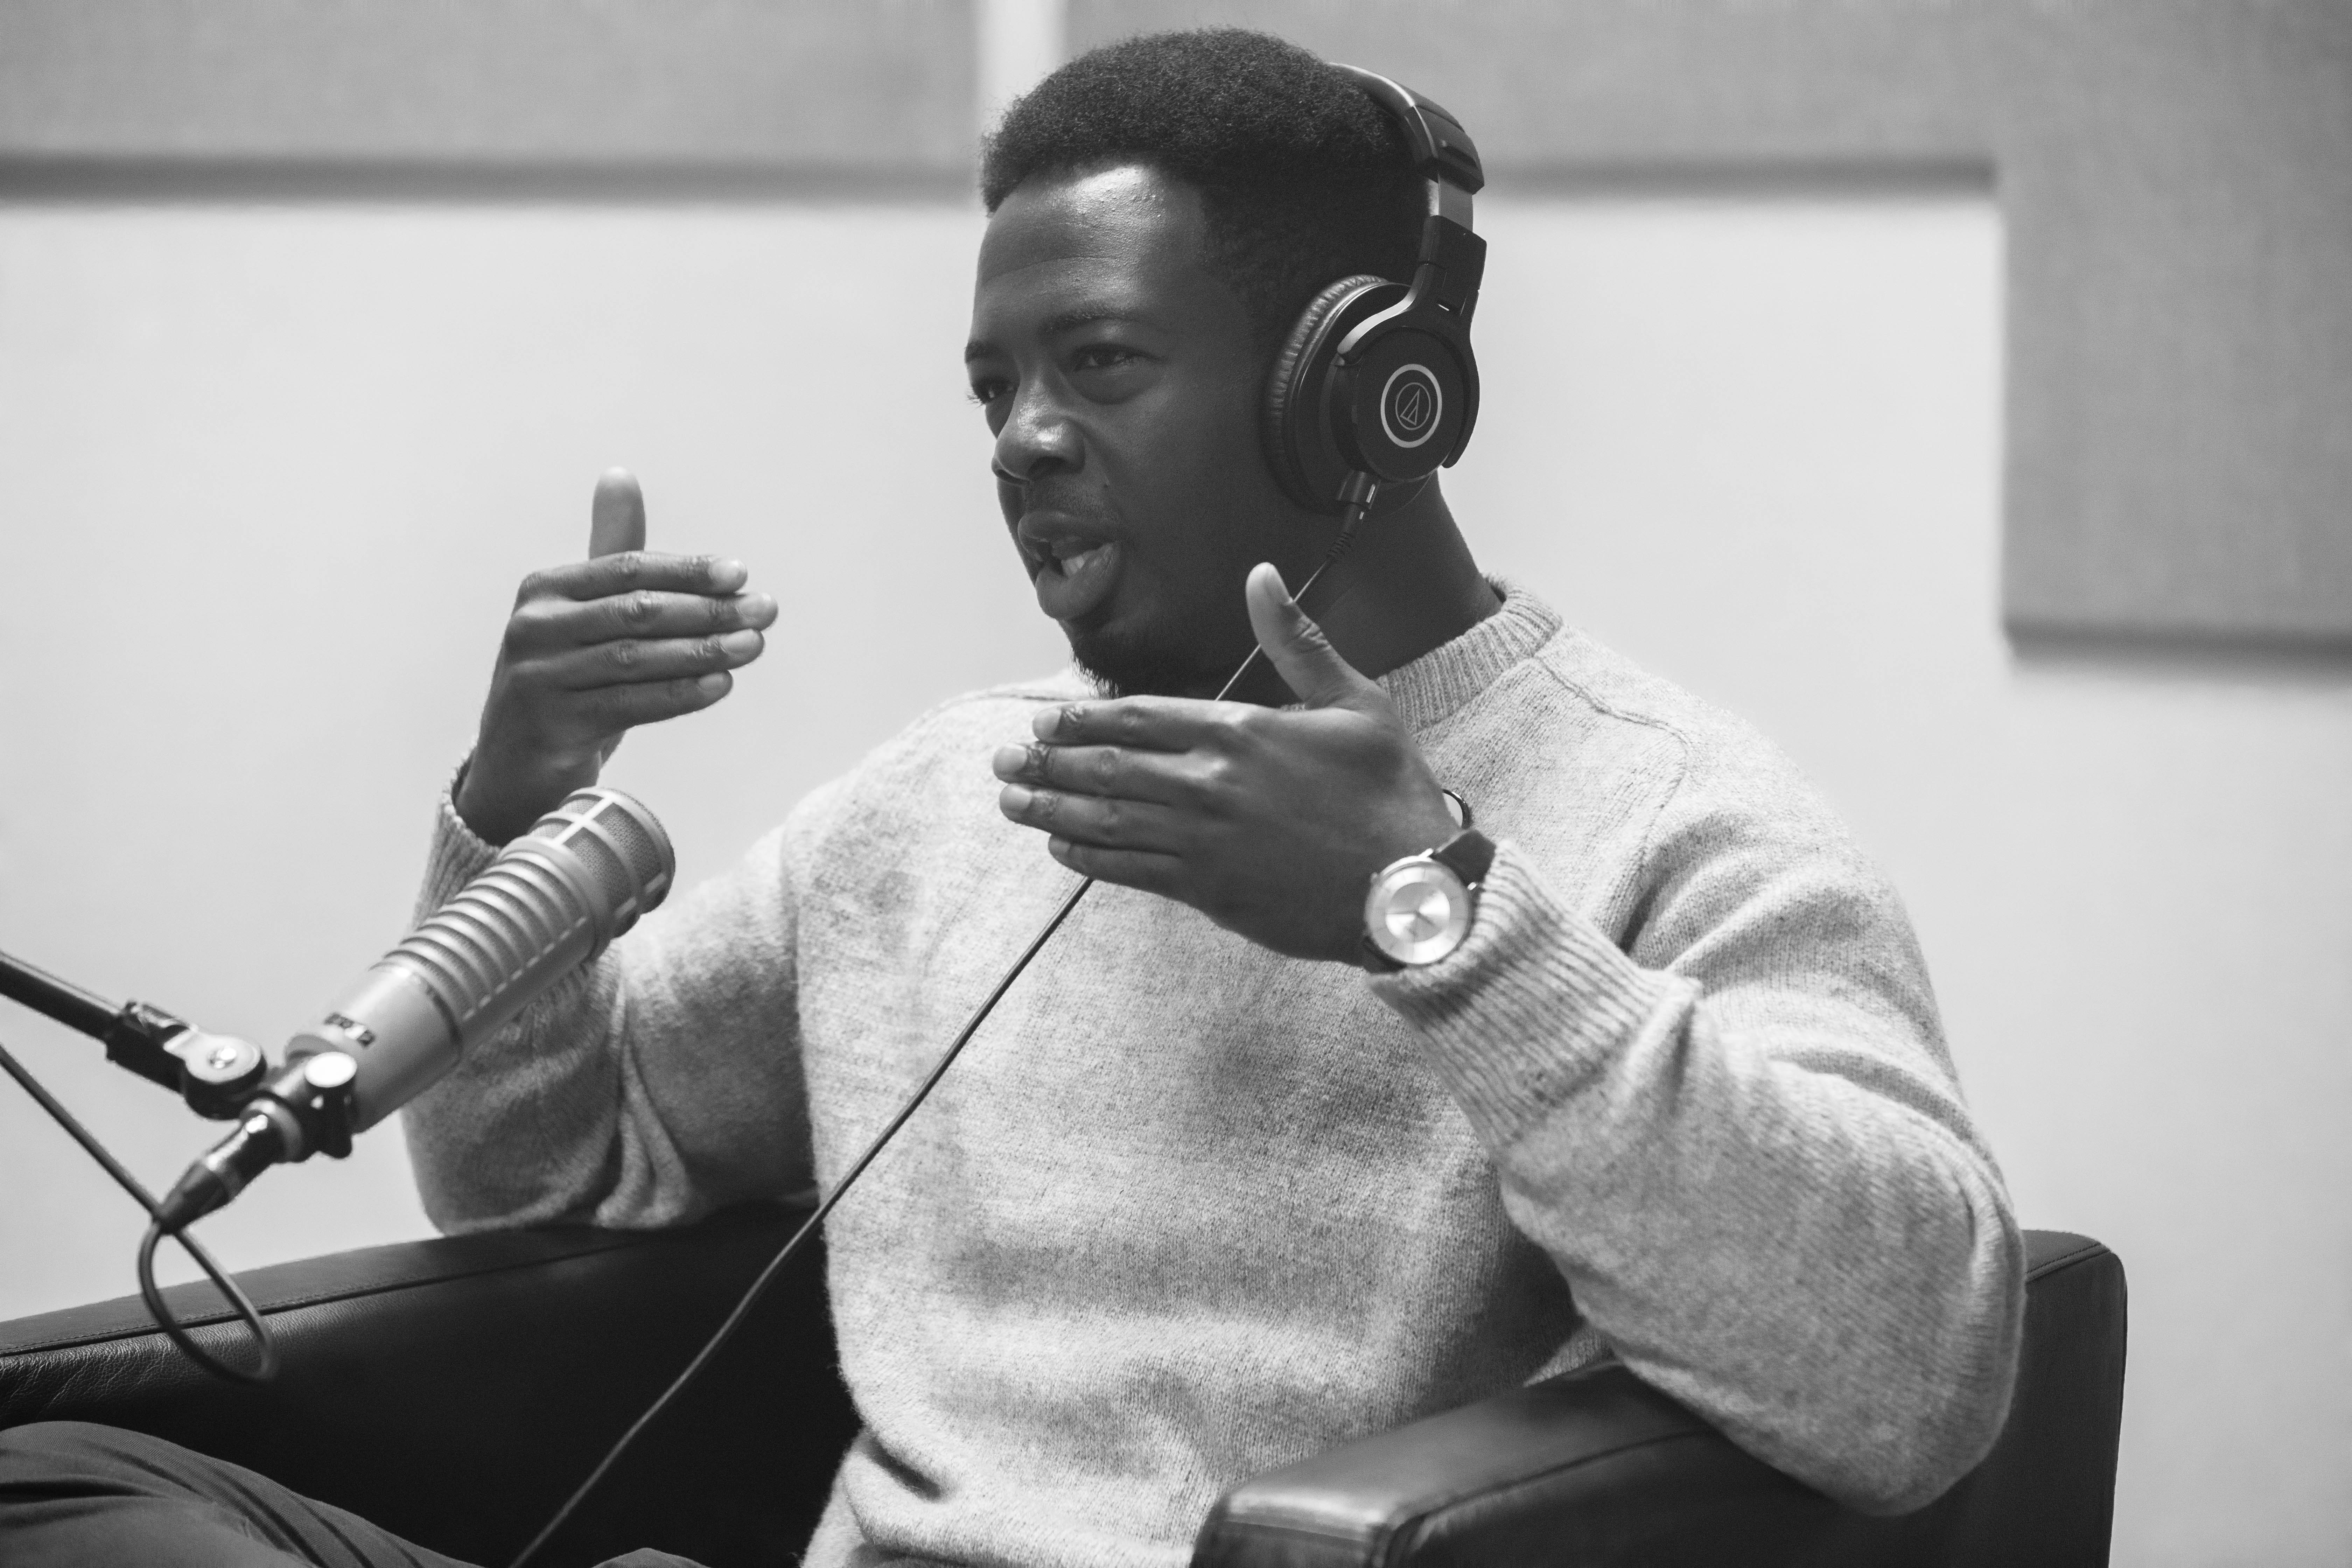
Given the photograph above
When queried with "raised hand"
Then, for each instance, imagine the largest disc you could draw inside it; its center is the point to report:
(1271, 822)
(627, 636)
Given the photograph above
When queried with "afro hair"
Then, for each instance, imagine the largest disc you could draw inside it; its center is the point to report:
(1303, 179)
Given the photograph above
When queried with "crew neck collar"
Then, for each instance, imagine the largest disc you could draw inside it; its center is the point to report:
(1431, 687)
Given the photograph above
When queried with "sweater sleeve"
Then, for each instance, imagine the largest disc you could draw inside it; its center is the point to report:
(656, 1084)
(1741, 1139)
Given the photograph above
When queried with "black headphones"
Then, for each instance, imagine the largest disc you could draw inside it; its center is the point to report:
(1376, 385)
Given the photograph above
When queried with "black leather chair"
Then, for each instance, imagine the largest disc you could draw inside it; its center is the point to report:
(456, 1390)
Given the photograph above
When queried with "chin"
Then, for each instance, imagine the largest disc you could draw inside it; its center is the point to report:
(1133, 665)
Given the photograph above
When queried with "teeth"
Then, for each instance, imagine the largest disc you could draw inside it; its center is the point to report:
(1064, 559)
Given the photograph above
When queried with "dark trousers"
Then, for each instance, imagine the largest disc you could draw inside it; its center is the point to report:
(74, 1495)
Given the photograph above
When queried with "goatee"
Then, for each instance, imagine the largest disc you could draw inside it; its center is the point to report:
(1132, 666)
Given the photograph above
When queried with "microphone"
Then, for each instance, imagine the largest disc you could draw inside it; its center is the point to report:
(550, 902)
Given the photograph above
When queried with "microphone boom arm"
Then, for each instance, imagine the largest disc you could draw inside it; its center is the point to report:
(216, 1074)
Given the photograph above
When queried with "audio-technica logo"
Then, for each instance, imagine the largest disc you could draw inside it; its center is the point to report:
(1410, 405)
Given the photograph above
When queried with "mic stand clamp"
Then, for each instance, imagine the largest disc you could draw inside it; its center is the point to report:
(213, 1073)
(219, 1073)
(216, 1074)
(306, 1109)
(137, 1037)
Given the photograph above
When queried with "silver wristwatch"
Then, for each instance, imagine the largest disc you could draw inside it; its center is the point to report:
(1418, 909)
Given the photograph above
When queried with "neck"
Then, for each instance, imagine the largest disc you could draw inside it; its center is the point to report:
(1407, 585)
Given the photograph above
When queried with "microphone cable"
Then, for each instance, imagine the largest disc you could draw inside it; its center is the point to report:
(1359, 499)
(156, 1230)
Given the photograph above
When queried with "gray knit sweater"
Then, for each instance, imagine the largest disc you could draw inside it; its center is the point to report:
(1187, 1210)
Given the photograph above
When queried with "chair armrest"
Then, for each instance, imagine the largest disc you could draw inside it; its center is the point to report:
(1593, 1468)
(456, 1390)
(1597, 1468)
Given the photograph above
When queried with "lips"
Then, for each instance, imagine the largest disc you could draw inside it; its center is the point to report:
(1073, 571)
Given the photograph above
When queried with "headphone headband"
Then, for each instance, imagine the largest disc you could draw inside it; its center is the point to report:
(1376, 384)
(1442, 150)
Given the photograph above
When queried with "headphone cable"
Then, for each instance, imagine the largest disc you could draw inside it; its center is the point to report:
(1358, 504)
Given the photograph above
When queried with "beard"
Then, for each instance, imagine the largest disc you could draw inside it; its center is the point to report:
(1147, 665)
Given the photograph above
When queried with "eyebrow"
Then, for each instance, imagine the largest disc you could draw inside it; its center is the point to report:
(1065, 321)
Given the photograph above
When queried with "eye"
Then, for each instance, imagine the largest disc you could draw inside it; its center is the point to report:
(986, 390)
(1104, 357)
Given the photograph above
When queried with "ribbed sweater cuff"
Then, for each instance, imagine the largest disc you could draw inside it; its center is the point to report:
(1532, 1007)
(457, 855)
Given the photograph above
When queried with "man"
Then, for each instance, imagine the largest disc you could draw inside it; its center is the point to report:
(1214, 1190)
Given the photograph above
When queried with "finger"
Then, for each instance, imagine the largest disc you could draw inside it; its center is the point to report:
(637, 569)
(649, 615)
(630, 661)
(1138, 868)
(1164, 777)
(1301, 655)
(1090, 820)
(553, 626)
(619, 708)
(1150, 723)
(616, 517)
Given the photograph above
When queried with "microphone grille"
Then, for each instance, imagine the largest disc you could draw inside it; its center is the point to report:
(620, 843)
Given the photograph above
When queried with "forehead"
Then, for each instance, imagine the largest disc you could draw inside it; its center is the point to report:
(1124, 241)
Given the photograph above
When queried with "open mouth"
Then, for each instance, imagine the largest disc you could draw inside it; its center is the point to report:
(1073, 576)
(1070, 557)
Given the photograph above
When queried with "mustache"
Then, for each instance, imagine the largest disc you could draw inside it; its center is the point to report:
(1045, 492)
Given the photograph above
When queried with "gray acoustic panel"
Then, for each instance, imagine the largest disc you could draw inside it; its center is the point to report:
(2176, 183)
(2176, 177)
(874, 88)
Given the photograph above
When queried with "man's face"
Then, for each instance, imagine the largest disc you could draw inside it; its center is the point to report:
(1123, 381)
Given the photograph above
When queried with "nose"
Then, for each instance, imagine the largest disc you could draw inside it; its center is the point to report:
(1038, 437)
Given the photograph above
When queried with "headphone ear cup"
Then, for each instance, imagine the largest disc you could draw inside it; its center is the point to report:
(1402, 407)
(1293, 419)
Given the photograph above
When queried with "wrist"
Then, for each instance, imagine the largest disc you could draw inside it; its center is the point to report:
(482, 817)
(495, 809)
(1384, 844)
(1418, 908)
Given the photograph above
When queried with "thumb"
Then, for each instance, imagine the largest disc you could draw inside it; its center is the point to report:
(617, 518)
(1299, 652)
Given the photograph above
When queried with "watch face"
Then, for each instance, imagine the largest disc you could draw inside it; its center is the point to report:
(1417, 911)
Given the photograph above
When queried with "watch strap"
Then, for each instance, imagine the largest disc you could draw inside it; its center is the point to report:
(1469, 855)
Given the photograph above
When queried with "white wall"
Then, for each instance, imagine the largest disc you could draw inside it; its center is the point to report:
(272, 474)
(1775, 431)
(272, 477)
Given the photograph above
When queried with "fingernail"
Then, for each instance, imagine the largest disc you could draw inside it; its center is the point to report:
(711, 685)
(741, 645)
(1047, 722)
(1009, 761)
(1014, 800)
(729, 573)
(757, 609)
